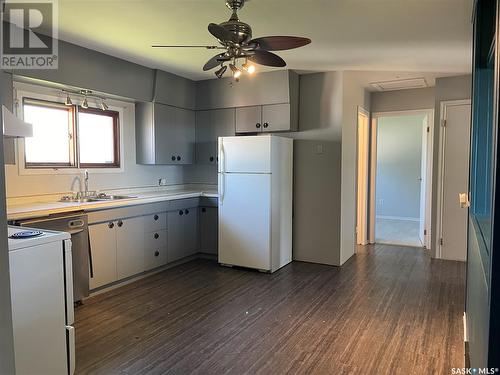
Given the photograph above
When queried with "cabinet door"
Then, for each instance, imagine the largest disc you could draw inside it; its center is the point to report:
(190, 231)
(164, 134)
(249, 119)
(208, 230)
(210, 125)
(155, 254)
(204, 137)
(129, 246)
(174, 135)
(185, 135)
(175, 230)
(275, 117)
(102, 254)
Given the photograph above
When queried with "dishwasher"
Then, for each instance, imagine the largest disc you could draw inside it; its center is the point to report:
(77, 226)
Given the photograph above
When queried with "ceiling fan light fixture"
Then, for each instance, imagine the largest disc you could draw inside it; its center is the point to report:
(248, 67)
(236, 71)
(220, 72)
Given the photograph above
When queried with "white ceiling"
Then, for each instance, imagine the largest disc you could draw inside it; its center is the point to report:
(421, 36)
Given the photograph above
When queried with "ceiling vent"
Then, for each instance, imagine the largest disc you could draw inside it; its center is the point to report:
(400, 84)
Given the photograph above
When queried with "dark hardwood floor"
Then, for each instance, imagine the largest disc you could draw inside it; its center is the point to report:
(389, 310)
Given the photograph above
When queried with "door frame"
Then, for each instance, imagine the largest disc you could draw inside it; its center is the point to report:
(440, 175)
(428, 169)
(362, 178)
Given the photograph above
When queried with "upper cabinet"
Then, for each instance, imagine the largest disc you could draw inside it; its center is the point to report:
(164, 134)
(210, 125)
(266, 118)
(266, 102)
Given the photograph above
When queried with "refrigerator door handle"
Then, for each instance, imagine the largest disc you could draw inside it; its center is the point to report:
(222, 187)
(222, 156)
(71, 349)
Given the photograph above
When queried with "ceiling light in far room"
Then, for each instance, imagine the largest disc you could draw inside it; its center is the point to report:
(248, 67)
(220, 72)
(103, 105)
(68, 101)
(236, 71)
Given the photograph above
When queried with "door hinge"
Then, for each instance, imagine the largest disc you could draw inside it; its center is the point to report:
(441, 241)
(425, 232)
(443, 123)
(428, 129)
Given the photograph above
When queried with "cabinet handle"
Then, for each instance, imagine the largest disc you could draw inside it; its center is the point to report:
(181, 212)
(156, 236)
(186, 211)
(211, 158)
(257, 125)
(266, 125)
(178, 158)
(111, 225)
(203, 209)
(120, 223)
(156, 217)
(173, 158)
(157, 253)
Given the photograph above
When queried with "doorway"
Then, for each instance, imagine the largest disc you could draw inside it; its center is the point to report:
(401, 168)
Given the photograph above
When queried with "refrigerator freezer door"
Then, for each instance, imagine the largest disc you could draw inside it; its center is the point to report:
(245, 154)
(70, 334)
(244, 221)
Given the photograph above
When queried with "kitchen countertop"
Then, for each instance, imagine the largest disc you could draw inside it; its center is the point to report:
(32, 209)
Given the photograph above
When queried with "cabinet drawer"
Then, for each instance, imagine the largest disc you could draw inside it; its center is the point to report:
(156, 249)
(155, 222)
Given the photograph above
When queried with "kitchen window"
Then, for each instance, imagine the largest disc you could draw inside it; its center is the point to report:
(70, 136)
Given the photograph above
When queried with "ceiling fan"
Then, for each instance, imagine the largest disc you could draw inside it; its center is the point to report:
(235, 38)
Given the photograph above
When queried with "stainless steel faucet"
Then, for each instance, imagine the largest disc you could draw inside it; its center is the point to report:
(86, 181)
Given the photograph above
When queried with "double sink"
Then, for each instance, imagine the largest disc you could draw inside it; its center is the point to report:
(93, 197)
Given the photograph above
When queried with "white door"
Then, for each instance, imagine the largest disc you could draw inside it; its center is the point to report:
(455, 179)
(245, 154)
(423, 182)
(102, 254)
(244, 220)
(129, 247)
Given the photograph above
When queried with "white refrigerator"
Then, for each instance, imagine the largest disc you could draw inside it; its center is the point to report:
(255, 201)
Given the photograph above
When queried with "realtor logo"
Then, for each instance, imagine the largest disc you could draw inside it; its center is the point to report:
(29, 34)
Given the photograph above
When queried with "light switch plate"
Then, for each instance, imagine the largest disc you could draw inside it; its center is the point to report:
(320, 149)
(162, 181)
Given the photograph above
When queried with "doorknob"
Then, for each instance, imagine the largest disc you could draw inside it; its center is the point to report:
(463, 198)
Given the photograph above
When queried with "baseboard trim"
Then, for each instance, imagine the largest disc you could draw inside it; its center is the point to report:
(403, 218)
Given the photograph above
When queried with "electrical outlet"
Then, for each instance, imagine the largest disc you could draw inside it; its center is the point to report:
(381, 202)
(162, 181)
(320, 149)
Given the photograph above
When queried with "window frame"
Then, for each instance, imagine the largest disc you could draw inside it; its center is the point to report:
(116, 138)
(72, 129)
(54, 95)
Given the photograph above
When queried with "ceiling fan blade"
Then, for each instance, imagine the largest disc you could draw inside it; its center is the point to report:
(221, 33)
(279, 43)
(267, 58)
(215, 61)
(206, 47)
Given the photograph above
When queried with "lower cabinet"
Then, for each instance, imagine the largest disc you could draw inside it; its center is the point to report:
(209, 230)
(129, 247)
(102, 254)
(116, 250)
(155, 254)
(182, 233)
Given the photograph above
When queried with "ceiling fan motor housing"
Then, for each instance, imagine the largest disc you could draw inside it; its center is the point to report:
(235, 5)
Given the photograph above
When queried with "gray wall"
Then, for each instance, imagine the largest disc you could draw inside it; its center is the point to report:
(399, 158)
(317, 169)
(403, 100)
